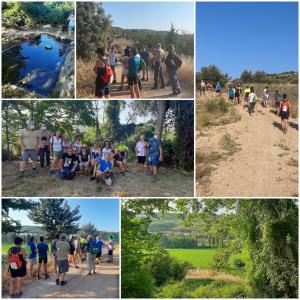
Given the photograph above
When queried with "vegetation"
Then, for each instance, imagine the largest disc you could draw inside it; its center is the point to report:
(263, 77)
(213, 75)
(257, 253)
(26, 15)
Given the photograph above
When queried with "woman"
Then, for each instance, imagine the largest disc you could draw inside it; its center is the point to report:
(84, 160)
(141, 152)
(284, 113)
(17, 267)
(71, 26)
(56, 150)
(113, 62)
(92, 250)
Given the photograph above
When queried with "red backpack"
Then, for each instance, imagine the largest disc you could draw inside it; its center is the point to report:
(14, 259)
(108, 73)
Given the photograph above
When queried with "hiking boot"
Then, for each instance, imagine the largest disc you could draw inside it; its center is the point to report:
(147, 79)
(143, 79)
(153, 178)
(38, 276)
(92, 178)
(63, 282)
(89, 273)
(20, 175)
(114, 81)
(76, 267)
(57, 281)
(173, 94)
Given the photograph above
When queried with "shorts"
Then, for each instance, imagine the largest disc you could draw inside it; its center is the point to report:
(71, 28)
(277, 104)
(63, 266)
(32, 261)
(99, 254)
(231, 97)
(113, 67)
(132, 80)
(77, 251)
(102, 91)
(43, 260)
(110, 252)
(203, 89)
(84, 164)
(153, 160)
(72, 252)
(141, 159)
(284, 115)
(58, 154)
(124, 72)
(32, 153)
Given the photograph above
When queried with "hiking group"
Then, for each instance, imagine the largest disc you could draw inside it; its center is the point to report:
(136, 66)
(70, 158)
(66, 251)
(235, 94)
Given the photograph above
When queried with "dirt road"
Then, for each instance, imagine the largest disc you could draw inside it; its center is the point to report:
(171, 182)
(263, 164)
(104, 284)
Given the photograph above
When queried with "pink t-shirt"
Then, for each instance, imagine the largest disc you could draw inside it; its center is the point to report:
(141, 149)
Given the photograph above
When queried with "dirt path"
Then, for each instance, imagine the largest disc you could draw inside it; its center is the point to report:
(264, 163)
(104, 284)
(147, 91)
(170, 182)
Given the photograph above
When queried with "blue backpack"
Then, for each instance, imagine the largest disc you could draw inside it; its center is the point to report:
(231, 92)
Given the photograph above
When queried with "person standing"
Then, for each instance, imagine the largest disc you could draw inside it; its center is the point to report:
(202, 87)
(44, 149)
(251, 101)
(155, 155)
(99, 245)
(113, 62)
(71, 26)
(62, 253)
(134, 64)
(277, 100)
(32, 255)
(173, 63)
(42, 248)
(29, 141)
(141, 153)
(266, 96)
(92, 250)
(145, 57)
(218, 89)
(57, 151)
(284, 113)
(158, 59)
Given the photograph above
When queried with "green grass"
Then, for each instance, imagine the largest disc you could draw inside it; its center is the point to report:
(199, 258)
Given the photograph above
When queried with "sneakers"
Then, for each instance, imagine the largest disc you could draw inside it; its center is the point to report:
(153, 178)
(57, 281)
(20, 175)
(63, 282)
(92, 178)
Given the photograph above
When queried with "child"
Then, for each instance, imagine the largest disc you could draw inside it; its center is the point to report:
(32, 255)
(284, 113)
(104, 75)
(42, 248)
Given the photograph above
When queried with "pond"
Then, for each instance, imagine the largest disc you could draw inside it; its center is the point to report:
(34, 64)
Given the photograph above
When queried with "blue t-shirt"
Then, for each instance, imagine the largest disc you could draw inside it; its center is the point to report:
(218, 87)
(99, 245)
(154, 145)
(43, 249)
(103, 165)
(134, 65)
(32, 247)
(145, 55)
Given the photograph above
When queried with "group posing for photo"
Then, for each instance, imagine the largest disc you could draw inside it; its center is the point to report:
(74, 157)
(66, 251)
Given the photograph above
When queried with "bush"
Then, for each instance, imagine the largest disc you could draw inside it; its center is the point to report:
(220, 260)
(239, 263)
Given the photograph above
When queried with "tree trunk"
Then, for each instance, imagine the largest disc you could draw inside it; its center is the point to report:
(97, 120)
(7, 133)
(163, 107)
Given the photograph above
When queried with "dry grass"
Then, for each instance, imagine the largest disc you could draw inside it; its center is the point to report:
(293, 162)
(214, 275)
(283, 145)
(228, 144)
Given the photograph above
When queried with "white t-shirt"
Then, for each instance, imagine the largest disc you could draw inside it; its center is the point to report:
(266, 94)
(251, 97)
(105, 150)
(112, 58)
(141, 149)
(57, 144)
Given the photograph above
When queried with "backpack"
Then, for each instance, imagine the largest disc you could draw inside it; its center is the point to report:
(142, 64)
(107, 77)
(284, 107)
(178, 62)
(14, 259)
(231, 92)
(93, 248)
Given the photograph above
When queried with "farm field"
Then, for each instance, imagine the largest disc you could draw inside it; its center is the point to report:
(199, 258)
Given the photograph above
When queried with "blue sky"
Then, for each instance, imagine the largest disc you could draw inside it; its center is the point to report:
(242, 35)
(151, 15)
(104, 213)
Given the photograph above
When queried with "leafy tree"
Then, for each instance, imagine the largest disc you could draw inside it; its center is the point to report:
(212, 74)
(89, 229)
(9, 224)
(246, 77)
(94, 29)
(55, 215)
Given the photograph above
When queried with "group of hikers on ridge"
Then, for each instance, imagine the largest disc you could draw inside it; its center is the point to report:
(66, 251)
(136, 66)
(73, 157)
(236, 93)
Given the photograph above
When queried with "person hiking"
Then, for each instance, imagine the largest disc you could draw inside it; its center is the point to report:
(32, 255)
(54, 250)
(62, 253)
(104, 75)
(83, 242)
(218, 89)
(42, 248)
(68, 164)
(71, 26)
(56, 150)
(284, 113)
(231, 93)
(209, 88)
(134, 64)
(44, 147)
(146, 58)
(84, 160)
(17, 268)
(266, 96)
(277, 102)
(99, 244)
(72, 250)
(104, 171)
(113, 62)
(251, 101)
(110, 249)
(77, 249)
(246, 92)
(124, 61)
(92, 250)
(202, 87)
(237, 94)
(158, 59)
(155, 155)
(29, 141)
(173, 63)
(141, 153)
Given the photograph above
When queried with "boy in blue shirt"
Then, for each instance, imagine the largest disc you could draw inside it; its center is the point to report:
(104, 170)
(134, 64)
(32, 255)
(155, 155)
(145, 56)
(42, 248)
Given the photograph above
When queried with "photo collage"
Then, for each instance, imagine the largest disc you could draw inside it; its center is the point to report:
(149, 149)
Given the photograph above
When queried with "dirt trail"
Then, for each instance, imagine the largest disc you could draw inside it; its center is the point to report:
(147, 91)
(265, 165)
(170, 182)
(104, 284)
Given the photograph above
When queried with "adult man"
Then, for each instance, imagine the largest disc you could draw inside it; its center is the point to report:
(141, 152)
(68, 164)
(42, 248)
(44, 147)
(202, 87)
(104, 170)
(62, 253)
(173, 63)
(32, 255)
(134, 63)
(123, 150)
(277, 100)
(29, 140)
(158, 59)
(145, 57)
(155, 155)
(99, 244)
